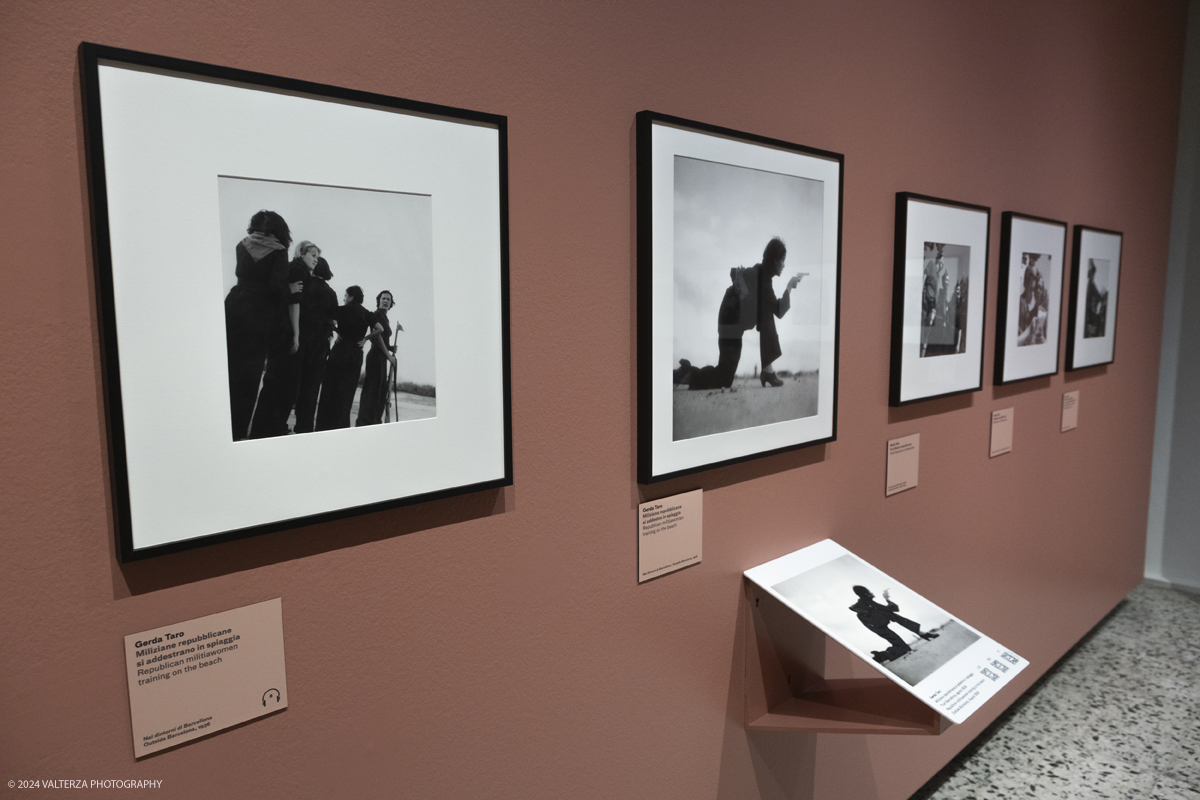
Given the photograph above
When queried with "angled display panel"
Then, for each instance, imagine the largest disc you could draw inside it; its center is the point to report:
(948, 665)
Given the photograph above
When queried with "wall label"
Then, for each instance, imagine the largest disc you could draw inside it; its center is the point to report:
(1070, 411)
(902, 457)
(1002, 432)
(670, 534)
(197, 677)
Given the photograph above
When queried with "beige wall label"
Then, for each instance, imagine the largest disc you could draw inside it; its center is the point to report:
(903, 456)
(670, 534)
(1070, 411)
(197, 677)
(1002, 432)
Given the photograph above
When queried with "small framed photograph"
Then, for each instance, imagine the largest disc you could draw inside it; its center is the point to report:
(739, 263)
(1028, 310)
(1092, 308)
(303, 298)
(938, 293)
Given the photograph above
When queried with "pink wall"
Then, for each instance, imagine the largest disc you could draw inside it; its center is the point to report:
(498, 645)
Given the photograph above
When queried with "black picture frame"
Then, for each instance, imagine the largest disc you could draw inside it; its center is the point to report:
(717, 165)
(1045, 292)
(914, 376)
(1087, 347)
(179, 479)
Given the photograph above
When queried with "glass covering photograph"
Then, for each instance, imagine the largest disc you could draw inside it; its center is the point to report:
(302, 297)
(738, 264)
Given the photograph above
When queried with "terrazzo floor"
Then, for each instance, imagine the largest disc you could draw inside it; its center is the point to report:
(1118, 717)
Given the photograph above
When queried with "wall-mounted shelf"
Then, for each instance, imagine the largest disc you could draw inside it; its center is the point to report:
(787, 689)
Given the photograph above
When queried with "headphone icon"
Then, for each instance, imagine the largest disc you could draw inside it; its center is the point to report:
(267, 694)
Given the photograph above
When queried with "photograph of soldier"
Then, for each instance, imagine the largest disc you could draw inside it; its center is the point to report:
(1034, 307)
(876, 617)
(944, 296)
(1095, 314)
(749, 302)
(746, 353)
(904, 633)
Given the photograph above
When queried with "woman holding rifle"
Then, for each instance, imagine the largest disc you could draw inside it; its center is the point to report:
(373, 399)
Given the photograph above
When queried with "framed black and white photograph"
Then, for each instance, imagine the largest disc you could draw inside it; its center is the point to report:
(1092, 307)
(739, 258)
(1028, 310)
(938, 292)
(303, 298)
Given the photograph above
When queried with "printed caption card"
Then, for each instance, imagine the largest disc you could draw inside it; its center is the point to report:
(903, 458)
(1070, 411)
(197, 677)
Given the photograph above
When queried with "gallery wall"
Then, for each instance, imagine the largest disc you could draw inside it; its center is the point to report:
(498, 644)
(1172, 546)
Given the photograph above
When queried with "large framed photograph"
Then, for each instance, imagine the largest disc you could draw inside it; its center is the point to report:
(739, 269)
(940, 659)
(1028, 311)
(303, 298)
(938, 293)
(1092, 308)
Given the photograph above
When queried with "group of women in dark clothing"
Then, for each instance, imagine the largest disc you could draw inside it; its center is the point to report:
(285, 331)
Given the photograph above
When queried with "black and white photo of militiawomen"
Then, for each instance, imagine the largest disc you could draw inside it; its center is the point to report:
(337, 263)
(1095, 315)
(328, 306)
(864, 609)
(1034, 310)
(747, 297)
(945, 296)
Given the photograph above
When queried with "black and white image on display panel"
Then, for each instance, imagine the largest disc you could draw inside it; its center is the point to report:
(902, 631)
(739, 248)
(1095, 283)
(747, 297)
(328, 300)
(944, 299)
